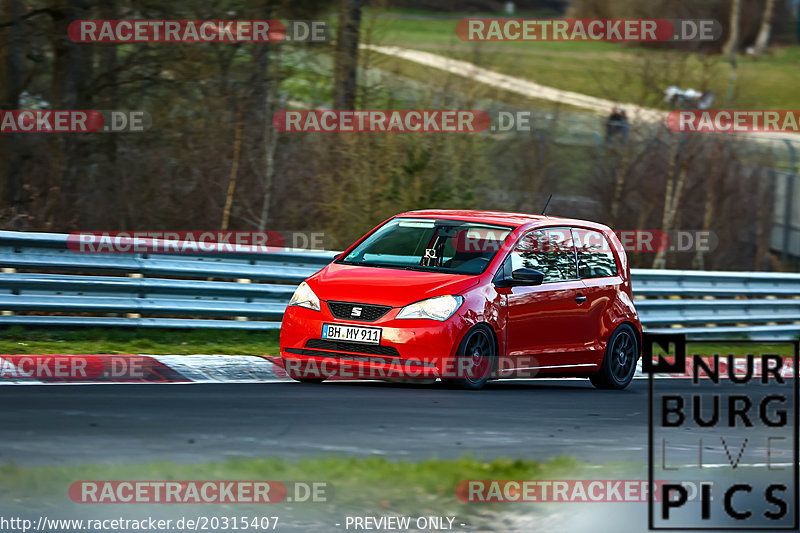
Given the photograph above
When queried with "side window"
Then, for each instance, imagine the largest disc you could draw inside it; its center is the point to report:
(595, 255)
(548, 250)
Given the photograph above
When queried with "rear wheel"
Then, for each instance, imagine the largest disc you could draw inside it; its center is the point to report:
(619, 361)
(475, 359)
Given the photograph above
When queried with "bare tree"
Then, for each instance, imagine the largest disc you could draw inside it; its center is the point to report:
(710, 191)
(762, 41)
(672, 197)
(269, 99)
(10, 76)
(72, 66)
(237, 148)
(347, 55)
(732, 45)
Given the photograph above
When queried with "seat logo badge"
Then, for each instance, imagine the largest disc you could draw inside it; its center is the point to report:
(356, 311)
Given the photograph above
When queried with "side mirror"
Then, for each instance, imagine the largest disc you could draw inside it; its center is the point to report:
(527, 276)
(338, 256)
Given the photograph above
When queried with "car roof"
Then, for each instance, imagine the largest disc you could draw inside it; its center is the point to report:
(497, 217)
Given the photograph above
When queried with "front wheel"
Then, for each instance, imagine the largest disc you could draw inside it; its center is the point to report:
(474, 360)
(619, 361)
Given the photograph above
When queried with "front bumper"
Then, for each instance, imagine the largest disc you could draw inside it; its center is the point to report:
(409, 348)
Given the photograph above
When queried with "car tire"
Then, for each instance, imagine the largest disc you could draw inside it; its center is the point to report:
(478, 347)
(619, 361)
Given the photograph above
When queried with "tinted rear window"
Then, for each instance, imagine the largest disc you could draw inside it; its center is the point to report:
(595, 256)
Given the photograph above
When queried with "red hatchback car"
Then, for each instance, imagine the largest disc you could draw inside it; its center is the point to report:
(468, 296)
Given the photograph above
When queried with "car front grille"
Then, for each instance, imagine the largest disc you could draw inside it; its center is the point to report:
(340, 346)
(363, 312)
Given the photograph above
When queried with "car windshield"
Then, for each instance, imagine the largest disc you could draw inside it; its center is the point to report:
(450, 246)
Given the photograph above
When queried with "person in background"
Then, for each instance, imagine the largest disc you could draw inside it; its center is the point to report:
(613, 124)
(624, 125)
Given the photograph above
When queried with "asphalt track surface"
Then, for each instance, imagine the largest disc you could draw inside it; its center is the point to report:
(537, 419)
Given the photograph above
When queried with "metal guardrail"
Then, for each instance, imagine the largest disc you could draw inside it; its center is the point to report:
(250, 291)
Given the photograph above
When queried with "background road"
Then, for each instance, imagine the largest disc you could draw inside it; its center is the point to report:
(532, 89)
(537, 419)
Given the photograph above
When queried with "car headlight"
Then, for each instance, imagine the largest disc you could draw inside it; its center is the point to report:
(439, 308)
(304, 297)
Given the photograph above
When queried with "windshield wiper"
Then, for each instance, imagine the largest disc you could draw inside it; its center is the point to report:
(424, 268)
(416, 268)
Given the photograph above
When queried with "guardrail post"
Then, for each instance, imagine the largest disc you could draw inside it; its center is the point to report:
(141, 295)
(242, 280)
(787, 205)
(8, 271)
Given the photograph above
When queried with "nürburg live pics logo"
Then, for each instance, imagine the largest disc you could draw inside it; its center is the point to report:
(730, 424)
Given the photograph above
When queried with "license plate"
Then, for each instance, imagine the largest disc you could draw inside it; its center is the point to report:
(351, 333)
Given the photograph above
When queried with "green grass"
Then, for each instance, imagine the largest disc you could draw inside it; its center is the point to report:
(609, 70)
(723, 349)
(436, 78)
(404, 486)
(18, 340)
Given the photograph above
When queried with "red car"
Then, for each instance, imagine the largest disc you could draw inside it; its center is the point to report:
(468, 296)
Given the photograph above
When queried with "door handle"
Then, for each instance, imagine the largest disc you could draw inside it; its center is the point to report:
(580, 299)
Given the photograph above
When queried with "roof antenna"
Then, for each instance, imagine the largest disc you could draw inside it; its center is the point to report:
(545, 205)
